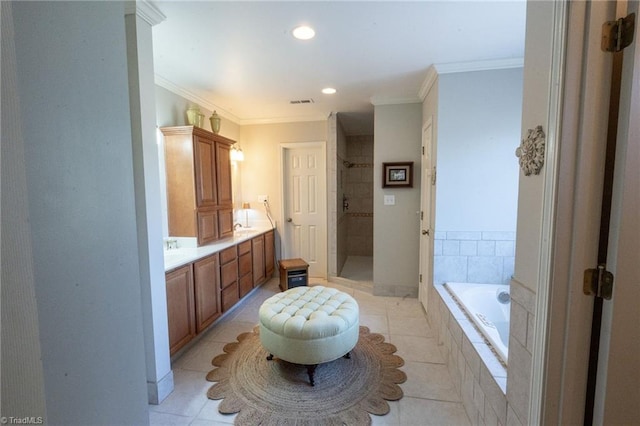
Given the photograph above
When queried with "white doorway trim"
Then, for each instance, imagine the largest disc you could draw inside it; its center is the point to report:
(538, 355)
(427, 212)
(284, 147)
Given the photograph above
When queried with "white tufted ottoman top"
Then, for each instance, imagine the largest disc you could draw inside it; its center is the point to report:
(309, 313)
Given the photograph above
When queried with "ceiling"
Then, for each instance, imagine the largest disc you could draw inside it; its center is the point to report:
(240, 57)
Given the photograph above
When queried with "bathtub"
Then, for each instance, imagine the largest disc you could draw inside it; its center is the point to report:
(488, 306)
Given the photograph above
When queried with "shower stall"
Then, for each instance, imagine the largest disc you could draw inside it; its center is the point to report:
(355, 218)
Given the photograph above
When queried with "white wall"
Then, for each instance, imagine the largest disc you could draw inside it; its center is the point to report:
(397, 137)
(479, 115)
(73, 88)
(478, 132)
(22, 373)
(148, 205)
(537, 90)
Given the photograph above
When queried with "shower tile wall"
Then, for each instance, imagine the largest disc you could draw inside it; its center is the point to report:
(474, 257)
(359, 192)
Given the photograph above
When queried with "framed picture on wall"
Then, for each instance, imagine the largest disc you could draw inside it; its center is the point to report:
(397, 175)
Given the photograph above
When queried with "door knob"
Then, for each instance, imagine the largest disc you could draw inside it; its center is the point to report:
(425, 232)
(289, 220)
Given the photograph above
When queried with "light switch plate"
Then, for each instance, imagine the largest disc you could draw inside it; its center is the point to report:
(389, 200)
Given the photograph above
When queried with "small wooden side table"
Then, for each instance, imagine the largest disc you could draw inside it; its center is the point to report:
(293, 273)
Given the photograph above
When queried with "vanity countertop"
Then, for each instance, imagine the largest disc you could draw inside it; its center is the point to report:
(174, 258)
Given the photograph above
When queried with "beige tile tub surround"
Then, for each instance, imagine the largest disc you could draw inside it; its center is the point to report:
(482, 384)
(476, 371)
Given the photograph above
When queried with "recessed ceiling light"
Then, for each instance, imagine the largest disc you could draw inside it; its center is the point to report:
(303, 32)
(328, 90)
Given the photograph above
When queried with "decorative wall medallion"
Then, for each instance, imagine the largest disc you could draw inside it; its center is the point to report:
(531, 151)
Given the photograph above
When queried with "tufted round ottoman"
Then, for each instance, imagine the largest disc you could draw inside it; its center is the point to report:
(309, 325)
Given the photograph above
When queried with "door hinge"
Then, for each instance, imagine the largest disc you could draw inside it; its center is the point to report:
(423, 150)
(420, 277)
(433, 176)
(598, 282)
(616, 35)
(421, 215)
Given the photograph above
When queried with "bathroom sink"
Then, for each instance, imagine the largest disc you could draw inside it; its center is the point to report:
(176, 257)
(244, 232)
(173, 257)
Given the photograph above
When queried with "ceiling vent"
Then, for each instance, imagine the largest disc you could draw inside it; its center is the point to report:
(301, 101)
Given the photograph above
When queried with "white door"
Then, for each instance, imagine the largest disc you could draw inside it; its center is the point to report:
(304, 205)
(617, 399)
(618, 379)
(426, 213)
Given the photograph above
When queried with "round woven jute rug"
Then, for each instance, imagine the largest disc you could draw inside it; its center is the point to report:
(276, 392)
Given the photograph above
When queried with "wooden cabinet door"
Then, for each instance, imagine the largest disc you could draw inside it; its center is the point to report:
(230, 294)
(180, 307)
(180, 172)
(223, 174)
(205, 162)
(207, 226)
(269, 259)
(245, 268)
(207, 293)
(225, 223)
(259, 271)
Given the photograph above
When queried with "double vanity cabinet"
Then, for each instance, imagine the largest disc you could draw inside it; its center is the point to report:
(201, 290)
(225, 266)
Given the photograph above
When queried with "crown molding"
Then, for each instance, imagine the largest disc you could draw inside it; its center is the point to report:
(281, 120)
(429, 81)
(493, 64)
(145, 10)
(437, 69)
(180, 91)
(389, 100)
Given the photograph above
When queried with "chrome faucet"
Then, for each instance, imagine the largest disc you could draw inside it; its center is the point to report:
(237, 225)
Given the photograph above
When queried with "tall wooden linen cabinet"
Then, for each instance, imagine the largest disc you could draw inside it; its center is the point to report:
(199, 193)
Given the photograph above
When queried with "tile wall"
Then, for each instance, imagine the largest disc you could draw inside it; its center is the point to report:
(473, 257)
(358, 188)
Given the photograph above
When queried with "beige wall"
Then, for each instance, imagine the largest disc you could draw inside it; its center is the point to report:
(261, 168)
(172, 111)
(397, 137)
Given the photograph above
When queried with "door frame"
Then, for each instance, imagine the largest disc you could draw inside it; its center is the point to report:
(284, 147)
(426, 277)
(617, 396)
(538, 393)
(578, 93)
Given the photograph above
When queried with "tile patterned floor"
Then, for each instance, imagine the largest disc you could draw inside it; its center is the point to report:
(429, 398)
